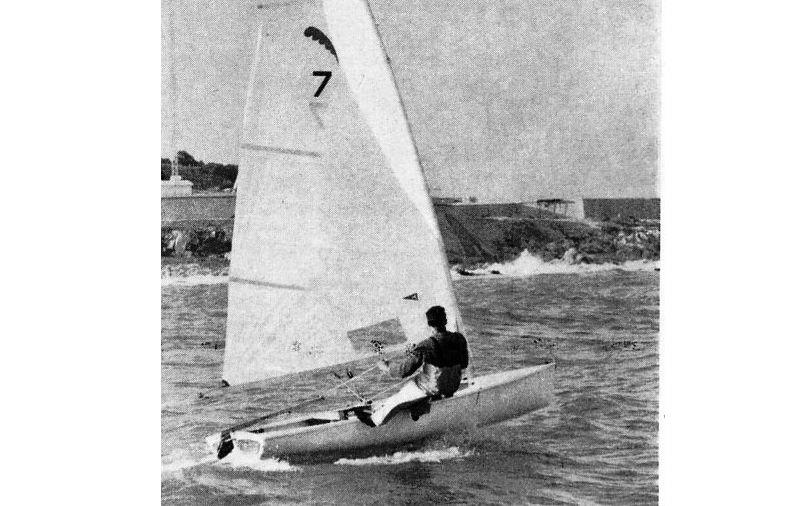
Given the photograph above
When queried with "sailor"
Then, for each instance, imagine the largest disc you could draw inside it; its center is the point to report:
(442, 358)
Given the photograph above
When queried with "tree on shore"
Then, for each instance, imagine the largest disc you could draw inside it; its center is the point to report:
(187, 160)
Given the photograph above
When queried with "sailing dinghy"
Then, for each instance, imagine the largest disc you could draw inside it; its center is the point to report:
(337, 252)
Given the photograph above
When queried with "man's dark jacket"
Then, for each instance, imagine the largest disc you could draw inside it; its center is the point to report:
(443, 357)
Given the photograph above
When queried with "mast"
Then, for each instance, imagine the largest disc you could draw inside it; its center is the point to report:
(172, 92)
(457, 322)
(388, 60)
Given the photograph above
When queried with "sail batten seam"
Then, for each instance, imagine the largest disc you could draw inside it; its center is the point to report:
(282, 151)
(245, 281)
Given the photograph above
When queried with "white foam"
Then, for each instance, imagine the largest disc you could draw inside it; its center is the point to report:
(206, 279)
(185, 462)
(403, 457)
(529, 265)
(192, 275)
(239, 459)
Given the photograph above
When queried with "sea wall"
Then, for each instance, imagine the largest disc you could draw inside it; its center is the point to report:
(607, 209)
(197, 207)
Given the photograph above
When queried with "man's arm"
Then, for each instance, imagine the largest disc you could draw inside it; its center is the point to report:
(405, 366)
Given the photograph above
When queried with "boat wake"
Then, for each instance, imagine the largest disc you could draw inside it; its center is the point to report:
(235, 460)
(240, 460)
(404, 457)
(529, 265)
(251, 461)
(185, 462)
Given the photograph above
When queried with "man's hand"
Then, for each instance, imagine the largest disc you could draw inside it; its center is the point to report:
(383, 366)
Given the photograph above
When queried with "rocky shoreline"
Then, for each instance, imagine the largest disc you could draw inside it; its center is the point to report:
(500, 239)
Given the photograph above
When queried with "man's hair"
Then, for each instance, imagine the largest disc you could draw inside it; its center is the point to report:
(436, 316)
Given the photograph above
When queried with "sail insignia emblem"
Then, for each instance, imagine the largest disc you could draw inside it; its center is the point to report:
(316, 34)
(413, 296)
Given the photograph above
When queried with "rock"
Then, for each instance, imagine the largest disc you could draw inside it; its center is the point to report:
(570, 256)
(180, 241)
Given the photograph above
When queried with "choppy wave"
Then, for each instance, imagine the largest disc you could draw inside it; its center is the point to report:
(529, 265)
(596, 444)
(404, 457)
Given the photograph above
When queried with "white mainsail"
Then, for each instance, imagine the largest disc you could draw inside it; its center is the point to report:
(336, 247)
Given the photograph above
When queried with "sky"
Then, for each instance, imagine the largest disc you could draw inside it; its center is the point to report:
(507, 100)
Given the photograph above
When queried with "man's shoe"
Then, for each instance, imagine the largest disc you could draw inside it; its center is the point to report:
(365, 417)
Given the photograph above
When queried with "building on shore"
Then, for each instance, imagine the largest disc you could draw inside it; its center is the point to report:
(176, 186)
(557, 206)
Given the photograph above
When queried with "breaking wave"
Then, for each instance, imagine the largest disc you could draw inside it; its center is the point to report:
(528, 265)
(404, 457)
(192, 275)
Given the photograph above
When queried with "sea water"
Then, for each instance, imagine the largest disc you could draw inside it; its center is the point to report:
(597, 442)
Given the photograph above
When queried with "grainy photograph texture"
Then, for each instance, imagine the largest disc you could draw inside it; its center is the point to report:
(410, 252)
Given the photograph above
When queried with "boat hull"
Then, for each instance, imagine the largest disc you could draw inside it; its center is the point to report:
(488, 399)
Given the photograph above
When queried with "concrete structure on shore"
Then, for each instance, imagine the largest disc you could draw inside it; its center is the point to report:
(195, 208)
(180, 207)
(176, 186)
(609, 209)
(602, 209)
